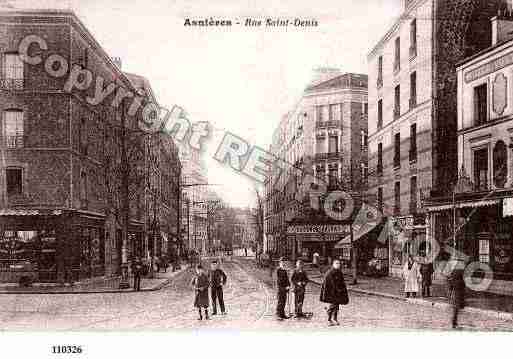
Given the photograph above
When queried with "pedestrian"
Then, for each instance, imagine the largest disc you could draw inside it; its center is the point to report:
(245, 252)
(164, 263)
(456, 284)
(157, 264)
(411, 274)
(200, 284)
(137, 271)
(334, 292)
(217, 282)
(283, 285)
(299, 279)
(426, 271)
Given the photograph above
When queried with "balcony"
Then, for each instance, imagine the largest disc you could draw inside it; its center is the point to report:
(379, 82)
(14, 141)
(11, 84)
(412, 102)
(397, 113)
(328, 124)
(413, 51)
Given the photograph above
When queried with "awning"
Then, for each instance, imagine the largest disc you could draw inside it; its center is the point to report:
(472, 204)
(29, 212)
(357, 234)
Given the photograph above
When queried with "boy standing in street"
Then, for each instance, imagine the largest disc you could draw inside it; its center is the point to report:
(217, 281)
(299, 279)
(283, 285)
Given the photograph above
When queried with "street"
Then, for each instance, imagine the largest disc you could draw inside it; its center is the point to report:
(250, 304)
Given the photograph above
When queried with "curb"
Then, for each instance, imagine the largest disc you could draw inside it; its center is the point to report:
(154, 288)
(487, 312)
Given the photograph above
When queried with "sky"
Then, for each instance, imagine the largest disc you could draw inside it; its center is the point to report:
(241, 80)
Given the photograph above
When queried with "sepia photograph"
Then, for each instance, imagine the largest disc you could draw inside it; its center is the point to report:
(207, 167)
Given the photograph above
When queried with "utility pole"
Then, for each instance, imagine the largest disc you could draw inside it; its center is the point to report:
(124, 283)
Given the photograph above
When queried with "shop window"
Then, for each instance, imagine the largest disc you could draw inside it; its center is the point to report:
(480, 104)
(481, 169)
(500, 165)
(14, 181)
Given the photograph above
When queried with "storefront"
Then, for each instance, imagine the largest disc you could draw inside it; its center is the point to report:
(51, 246)
(406, 236)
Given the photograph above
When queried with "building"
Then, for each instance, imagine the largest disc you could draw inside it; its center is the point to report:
(162, 187)
(61, 207)
(481, 206)
(412, 109)
(325, 135)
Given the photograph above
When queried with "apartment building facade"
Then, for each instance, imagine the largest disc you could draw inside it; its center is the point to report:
(412, 110)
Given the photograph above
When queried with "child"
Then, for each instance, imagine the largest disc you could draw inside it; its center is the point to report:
(200, 283)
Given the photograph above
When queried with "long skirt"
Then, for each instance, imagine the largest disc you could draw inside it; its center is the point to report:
(201, 298)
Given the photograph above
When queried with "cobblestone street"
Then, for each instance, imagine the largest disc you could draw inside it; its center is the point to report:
(250, 303)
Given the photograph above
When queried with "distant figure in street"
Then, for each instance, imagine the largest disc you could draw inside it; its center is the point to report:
(157, 264)
(426, 271)
(217, 281)
(456, 284)
(283, 286)
(334, 292)
(137, 269)
(299, 279)
(200, 284)
(245, 252)
(411, 274)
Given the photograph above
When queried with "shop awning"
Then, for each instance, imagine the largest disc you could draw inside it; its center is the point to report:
(357, 234)
(29, 212)
(471, 204)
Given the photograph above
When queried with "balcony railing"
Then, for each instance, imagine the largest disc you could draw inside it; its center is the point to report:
(11, 84)
(328, 124)
(412, 102)
(379, 82)
(413, 50)
(14, 141)
(397, 113)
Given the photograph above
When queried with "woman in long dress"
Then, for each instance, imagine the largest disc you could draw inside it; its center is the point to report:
(200, 283)
(411, 274)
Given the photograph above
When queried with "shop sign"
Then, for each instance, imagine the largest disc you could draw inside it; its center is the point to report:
(317, 228)
(489, 67)
(507, 207)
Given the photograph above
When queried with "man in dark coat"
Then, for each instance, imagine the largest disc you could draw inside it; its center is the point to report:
(334, 292)
(137, 269)
(456, 284)
(200, 284)
(299, 279)
(217, 281)
(283, 285)
(426, 272)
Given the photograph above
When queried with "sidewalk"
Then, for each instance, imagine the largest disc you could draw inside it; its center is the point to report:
(493, 305)
(97, 285)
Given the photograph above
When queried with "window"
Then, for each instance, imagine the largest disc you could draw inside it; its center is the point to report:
(380, 114)
(397, 54)
(318, 115)
(365, 108)
(397, 150)
(413, 38)
(413, 90)
(332, 111)
(380, 199)
(83, 136)
(332, 176)
(480, 104)
(12, 71)
(380, 159)
(397, 197)
(320, 145)
(413, 194)
(379, 82)
(13, 128)
(364, 140)
(500, 164)
(481, 169)
(413, 142)
(397, 102)
(320, 172)
(83, 189)
(333, 144)
(484, 251)
(13, 177)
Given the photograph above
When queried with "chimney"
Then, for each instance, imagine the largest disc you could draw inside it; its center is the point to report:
(502, 26)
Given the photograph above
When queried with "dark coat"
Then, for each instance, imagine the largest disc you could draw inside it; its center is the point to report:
(282, 279)
(299, 279)
(456, 284)
(426, 271)
(217, 277)
(200, 283)
(333, 288)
